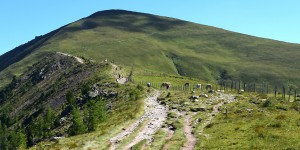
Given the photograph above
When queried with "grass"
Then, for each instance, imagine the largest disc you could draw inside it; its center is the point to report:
(254, 126)
(159, 140)
(139, 146)
(100, 137)
(250, 124)
(178, 139)
(166, 45)
(161, 49)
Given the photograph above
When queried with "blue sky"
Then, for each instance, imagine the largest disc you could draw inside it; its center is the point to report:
(22, 20)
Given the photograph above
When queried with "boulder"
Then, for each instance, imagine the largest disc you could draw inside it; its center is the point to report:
(194, 97)
(198, 120)
(56, 138)
(174, 107)
(203, 95)
(199, 108)
(211, 91)
(241, 91)
(93, 94)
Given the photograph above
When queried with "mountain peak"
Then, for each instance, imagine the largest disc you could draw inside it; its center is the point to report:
(111, 12)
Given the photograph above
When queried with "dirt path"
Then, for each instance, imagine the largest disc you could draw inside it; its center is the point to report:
(168, 137)
(117, 73)
(155, 114)
(80, 60)
(191, 139)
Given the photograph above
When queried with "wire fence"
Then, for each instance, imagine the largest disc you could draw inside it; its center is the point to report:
(285, 92)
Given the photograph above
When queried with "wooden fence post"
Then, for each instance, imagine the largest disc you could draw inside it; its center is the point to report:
(275, 90)
(295, 98)
(289, 94)
(283, 93)
(234, 85)
(226, 111)
(262, 87)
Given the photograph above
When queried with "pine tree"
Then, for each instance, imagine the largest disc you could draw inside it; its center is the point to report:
(97, 113)
(92, 120)
(71, 99)
(77, 127)
(17, 140)
(48, 122)
(4, 143)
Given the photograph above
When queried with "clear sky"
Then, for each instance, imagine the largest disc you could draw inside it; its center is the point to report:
(22, 20)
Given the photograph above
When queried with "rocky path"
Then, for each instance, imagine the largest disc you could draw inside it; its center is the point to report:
(155, 115)
(191, 139)
(117, 73)
(80, 60)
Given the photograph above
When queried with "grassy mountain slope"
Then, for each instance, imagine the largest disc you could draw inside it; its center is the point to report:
(172, 46)
(57, 91)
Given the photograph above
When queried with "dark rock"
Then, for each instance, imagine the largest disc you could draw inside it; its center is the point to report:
(203, 95)
(196, 109)
(172, 127)
(194, 97)
(281, 108)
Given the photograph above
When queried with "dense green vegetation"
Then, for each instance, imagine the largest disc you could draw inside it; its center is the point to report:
(11, 139)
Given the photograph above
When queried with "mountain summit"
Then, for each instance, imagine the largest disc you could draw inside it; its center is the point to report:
(161, 44)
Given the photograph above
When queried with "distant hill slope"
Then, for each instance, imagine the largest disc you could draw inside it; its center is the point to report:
(167, 45)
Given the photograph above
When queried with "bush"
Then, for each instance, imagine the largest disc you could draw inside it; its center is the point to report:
(172, 114)
(275, 124)
(267, 103)
(296, 106)
(281, 117)
(281, 107)
(168, 95)
(210, 125)
(263, 96)
(140, 87)
(298, 122)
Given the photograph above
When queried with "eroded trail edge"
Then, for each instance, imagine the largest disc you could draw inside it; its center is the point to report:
(155, 115)
(191, 139)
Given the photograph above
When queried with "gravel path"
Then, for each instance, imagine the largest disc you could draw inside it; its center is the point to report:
(155, 114)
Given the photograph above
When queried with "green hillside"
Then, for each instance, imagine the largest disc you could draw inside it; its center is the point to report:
(166, 45)
(86, 86)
